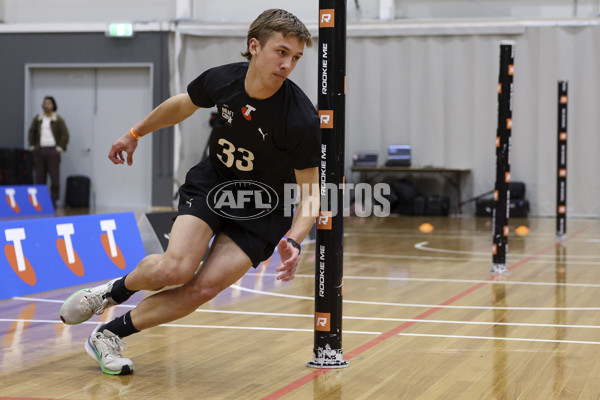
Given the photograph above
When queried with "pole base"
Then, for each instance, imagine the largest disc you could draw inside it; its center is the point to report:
(328, 364)
(499, 269)
(327, 358)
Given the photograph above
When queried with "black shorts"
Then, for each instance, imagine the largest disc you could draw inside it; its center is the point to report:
(256, 237)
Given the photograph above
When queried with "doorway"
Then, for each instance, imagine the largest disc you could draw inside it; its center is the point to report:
(99, 104)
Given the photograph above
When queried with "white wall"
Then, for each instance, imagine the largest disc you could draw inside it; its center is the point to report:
(27, 11)
(44, 11)
(495, 8)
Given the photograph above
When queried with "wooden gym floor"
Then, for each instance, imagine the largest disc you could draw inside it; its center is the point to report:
(424, 319)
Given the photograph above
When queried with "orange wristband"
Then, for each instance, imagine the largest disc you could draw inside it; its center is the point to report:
(134, 135)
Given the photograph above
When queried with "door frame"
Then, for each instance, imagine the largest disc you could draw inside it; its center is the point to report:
(31, 66)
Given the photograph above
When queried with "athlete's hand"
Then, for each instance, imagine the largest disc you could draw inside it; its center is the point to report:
(289, 261)
(125, 144)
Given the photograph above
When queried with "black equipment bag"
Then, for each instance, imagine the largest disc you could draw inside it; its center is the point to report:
(78, 191)
(518, 208)
(7, 166)
(437, 205)
(517, 190)
(24, 167)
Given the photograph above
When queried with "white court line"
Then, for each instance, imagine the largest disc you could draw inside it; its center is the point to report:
(384, 278)
(376, 303)
(439, 235)
(422, 246)
(435, 321)
(290, 296)
(379, 303)
(37, 299)
(411, 234)
(413, 257)
(253, 328)
(498, 338)
(511, 257)
(400, 278)
(43, 321)
(270, 314)
(261, 328)
(40, 300)
(258, 328)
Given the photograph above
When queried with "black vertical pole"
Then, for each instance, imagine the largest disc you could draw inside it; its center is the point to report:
(327, 351)
(561, 162)
(503, 138)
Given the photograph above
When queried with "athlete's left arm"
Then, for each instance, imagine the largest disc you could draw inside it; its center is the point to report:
(304, 219)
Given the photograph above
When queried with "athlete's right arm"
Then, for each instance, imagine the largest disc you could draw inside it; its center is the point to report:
(170, 112)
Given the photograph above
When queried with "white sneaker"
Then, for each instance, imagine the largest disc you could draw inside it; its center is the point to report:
(83, 304)
(105, 347)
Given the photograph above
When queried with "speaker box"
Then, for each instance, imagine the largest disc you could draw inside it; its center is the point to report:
(78, 191)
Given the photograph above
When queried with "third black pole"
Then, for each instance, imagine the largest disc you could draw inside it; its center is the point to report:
(503, 143)
(561, 162)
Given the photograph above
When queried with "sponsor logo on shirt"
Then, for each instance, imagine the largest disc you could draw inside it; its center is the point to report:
(227, 114)
(264, 134)
(246, 112)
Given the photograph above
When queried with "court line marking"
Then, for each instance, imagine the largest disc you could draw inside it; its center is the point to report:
(374, 342)
(462, 259)
(262, 328)
(257, 328)
(422, 246)
(375, 303)
(437, 306)
(442, 235)
(498, 338)
(270, 314)
(412, 257)
(401, 278)
(403, 319)
(254, 328)
(454, 234)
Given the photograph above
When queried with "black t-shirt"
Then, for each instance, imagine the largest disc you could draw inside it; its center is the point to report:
(259, 140)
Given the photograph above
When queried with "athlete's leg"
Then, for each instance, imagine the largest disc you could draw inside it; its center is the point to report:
(225, 264)
(188, 242)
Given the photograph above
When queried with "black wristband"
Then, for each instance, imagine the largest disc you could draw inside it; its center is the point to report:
(295, 244)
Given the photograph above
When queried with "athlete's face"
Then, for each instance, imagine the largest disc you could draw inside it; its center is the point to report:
(275, 59)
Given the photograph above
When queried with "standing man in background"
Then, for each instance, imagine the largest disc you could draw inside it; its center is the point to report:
(48, 138)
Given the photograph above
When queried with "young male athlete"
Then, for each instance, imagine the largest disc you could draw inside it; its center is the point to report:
(270, 133)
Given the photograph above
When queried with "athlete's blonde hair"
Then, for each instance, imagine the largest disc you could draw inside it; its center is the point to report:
(276, 20)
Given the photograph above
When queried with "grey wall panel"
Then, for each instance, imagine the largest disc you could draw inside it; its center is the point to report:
(19, 49)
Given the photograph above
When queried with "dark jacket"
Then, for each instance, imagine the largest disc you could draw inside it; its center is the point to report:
(58, 127)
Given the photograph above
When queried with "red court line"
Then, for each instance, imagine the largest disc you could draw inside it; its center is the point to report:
(381, 338)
